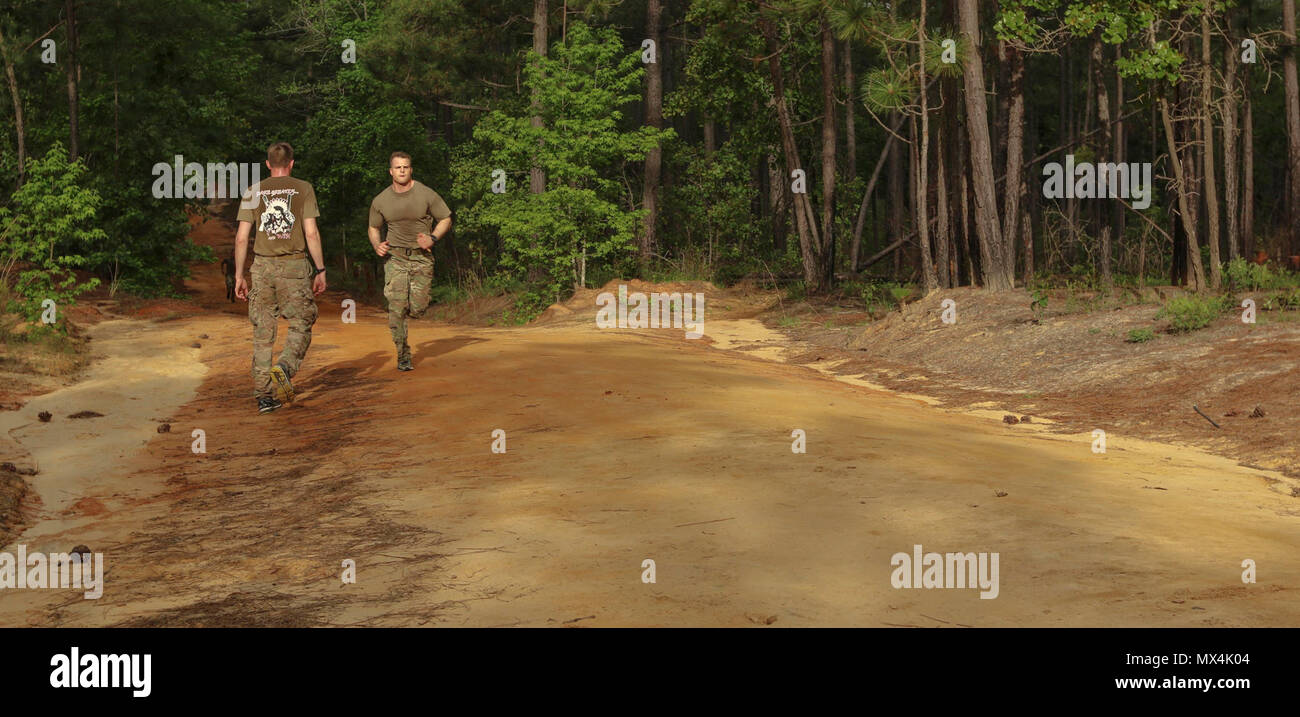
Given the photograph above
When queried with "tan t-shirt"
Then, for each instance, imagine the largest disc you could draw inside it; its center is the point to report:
(276, 207)
(408, 213)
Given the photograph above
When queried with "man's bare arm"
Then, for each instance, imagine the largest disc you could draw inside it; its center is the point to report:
(241, 246)
(241, 254)
(381, 248)
(313, 242)
(441, 230)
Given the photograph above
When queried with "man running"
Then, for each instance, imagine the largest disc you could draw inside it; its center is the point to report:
(408, 208)
(285, 282)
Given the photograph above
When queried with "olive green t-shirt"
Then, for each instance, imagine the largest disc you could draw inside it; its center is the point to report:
(276, 207)
(408, 213)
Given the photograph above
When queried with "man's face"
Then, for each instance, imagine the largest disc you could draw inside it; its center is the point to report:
(400, 169)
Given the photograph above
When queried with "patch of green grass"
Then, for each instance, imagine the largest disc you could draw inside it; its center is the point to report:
(888, 295)
(789, 321)
(1140, 336)
(1194, 311)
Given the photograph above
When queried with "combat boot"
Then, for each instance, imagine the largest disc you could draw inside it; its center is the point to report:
(281, 378)
(266, 404)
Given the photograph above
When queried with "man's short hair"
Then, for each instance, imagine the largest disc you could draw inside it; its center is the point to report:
(279, 155)
(396, 155)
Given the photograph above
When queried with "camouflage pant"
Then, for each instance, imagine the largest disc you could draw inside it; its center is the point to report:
(280, 288)
(408, 279)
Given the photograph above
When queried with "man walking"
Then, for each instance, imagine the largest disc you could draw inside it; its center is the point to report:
(285, 282)
(409, 209)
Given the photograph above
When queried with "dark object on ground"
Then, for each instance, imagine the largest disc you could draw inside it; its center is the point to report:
(1211, 420)
(8, 467)
(1000, 493)
(164, 428)
(1026, 419)
(1010, 419)
(228, 269)
(45, 416)
(77, 551)
(203, 336)
(196, 345)
(1257, 413)
(86, 414)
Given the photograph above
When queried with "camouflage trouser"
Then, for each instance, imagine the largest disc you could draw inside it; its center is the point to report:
(408, 279)
(280, 288)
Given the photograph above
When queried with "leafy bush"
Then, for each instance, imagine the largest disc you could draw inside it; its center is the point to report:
(889, 294)
(48, 233)
(1192, 312)
(550, 238)
(1242, 274)
(1140, 336)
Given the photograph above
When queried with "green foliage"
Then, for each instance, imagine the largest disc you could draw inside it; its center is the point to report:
(1194, 311)
(1241, 274)
(1140, 336)
(46, 234)
(888, 294)
(578, 219)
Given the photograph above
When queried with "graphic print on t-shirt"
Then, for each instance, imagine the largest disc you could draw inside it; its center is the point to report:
(277, 219)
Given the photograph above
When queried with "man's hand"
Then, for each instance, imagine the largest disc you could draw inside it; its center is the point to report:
(424, 240)
(241, 288)
(318, 284)
(382, 248)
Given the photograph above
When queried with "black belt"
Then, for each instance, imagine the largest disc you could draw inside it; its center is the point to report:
(280, 257)
(406, 251)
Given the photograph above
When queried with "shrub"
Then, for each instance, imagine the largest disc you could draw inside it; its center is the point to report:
(1140, 336)
(1189, 313)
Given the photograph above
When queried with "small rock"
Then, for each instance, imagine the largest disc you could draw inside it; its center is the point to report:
(1010, 419)
(196, 345)
(1026, 419)
(164, 428)
(1000, 493)
(1257, 413)
(45, 416)
(86, 414)
(203, 336)
(77, 551)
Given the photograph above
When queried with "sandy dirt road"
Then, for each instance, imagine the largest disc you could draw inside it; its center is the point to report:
(621, 446)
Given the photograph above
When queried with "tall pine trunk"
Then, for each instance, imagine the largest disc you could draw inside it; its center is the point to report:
(1207, 162)
(809, 245)
(998, 274)
(1014, 61)
(828, 149)
(1292, 99)
(654, 117)
(12, 80)
(1231, 168)
(1247, 165)
(74, 102)
(537, 176)
(1103, 152)
(928, 279)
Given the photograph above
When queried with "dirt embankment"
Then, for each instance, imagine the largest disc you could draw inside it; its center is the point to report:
(1077, 368)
